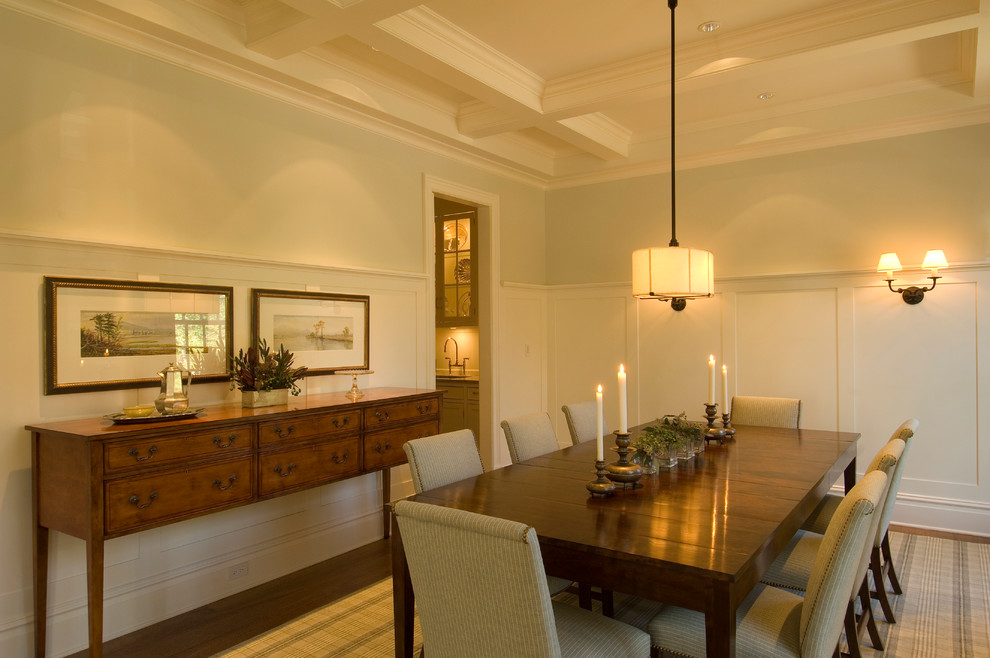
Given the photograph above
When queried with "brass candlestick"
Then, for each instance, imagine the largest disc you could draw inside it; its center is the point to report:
(624, 472)
(727, 426)
(601, 487)
(713, 433)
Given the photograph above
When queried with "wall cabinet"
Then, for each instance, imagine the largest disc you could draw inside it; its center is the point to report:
(95, 480)
(456, 260)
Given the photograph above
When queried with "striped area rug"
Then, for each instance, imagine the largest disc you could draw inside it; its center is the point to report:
(944, 611)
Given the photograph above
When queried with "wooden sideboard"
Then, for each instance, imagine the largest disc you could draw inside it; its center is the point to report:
(96, 480)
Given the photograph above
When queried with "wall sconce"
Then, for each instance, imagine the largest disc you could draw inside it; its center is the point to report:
(889, 263)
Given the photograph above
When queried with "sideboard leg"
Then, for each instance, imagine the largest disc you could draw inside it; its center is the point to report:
(94, 586)
(40, 589)
(387, 499)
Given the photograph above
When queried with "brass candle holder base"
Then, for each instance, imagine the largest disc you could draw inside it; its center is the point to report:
(713, 433)
(624, 472)
(601, 487)
(727, 427)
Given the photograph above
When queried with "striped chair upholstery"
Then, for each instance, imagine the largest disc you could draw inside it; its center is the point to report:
(581, 420)
(792, 568)
(481, 591)
(881, 562)
(766, 412)
(773, 622)
(435, 461)
(441, 459)
(529, 436)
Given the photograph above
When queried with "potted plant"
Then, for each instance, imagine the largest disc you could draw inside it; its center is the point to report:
(661, 444)
(691, 434)
(265, 377)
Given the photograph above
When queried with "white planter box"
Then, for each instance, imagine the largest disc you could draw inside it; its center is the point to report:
(252, 399)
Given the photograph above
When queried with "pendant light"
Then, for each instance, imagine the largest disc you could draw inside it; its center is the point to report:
(673, 273)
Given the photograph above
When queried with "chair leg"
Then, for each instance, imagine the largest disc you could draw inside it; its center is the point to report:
(866, 618)
(608, 604)
(888, 563)
(880, 591)
(584, 595)
(851, 637)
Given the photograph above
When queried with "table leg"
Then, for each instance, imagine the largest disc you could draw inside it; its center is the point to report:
(40, 588)
(402, 597)
(720, 624)
(94, 590)
(849, 476)
(387, 498)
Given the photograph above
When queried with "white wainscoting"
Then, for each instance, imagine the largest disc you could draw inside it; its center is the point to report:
(859, 358)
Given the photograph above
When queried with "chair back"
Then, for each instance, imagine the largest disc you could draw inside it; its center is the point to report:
(479, 583)
(886, 461)
(581, 420)
(529, 436)
(906, 433)
(766, 412)
(443, 458)
(833, 575)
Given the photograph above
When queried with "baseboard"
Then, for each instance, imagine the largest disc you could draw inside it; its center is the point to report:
(939, 515)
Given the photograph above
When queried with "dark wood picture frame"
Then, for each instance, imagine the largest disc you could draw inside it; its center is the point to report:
(127, 317)
(346, 318)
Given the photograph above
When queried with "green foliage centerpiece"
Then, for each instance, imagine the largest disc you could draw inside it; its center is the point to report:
(660, 444)
(265, 377)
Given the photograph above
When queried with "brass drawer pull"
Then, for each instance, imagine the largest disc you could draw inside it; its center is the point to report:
(288, 471)
(340, 423)
(230, 441)
(388, 446)
(339, 460)
(424, 409)
(288, 432)
(382, 416)
(133, 452)
(219, 485)
(134, 500)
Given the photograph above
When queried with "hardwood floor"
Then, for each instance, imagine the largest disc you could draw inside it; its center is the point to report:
(227, 622)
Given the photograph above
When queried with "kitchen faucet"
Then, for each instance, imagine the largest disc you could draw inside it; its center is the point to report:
(457, 362)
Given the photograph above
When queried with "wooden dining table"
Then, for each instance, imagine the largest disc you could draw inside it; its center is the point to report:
(699, 535)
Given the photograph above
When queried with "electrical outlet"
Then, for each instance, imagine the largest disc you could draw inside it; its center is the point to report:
(237, 571)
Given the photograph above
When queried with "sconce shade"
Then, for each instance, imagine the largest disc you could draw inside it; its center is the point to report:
(935, 259)
(673, 273)
(889, 263)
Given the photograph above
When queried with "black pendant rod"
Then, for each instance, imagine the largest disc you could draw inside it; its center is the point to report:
(673, 187)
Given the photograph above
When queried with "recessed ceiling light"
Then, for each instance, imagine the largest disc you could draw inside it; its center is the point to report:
(765, 96)
(709, 26)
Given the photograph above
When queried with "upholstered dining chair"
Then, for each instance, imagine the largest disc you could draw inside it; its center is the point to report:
(881, 562)
(581, 420)
(775, 622)
(766, 412)
(481, 591)
(441, 459)
(529, 436)
(435, 461)
(792, 568)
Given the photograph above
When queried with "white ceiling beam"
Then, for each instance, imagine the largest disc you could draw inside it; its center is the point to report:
(282, 28)
(460, 60)
(844, 30)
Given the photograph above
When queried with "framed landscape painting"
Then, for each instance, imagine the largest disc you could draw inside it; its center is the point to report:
(327, 332)
(105, 334)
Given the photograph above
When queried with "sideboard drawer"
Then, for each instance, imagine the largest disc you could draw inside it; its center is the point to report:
(308, 465)
(149, 452)
(140, 501)
(384, 448)
(308, 427)
(386, 414)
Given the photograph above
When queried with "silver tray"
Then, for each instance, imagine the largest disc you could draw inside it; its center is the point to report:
(120, 418)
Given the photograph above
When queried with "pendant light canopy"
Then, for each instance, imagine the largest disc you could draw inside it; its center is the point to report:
(673, 273)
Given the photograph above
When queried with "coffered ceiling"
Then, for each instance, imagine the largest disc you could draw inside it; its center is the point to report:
(565, 92)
